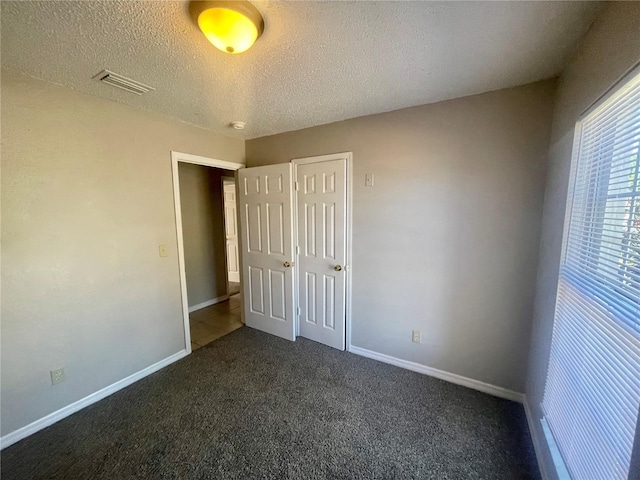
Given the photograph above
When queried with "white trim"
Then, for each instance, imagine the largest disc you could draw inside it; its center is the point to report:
(197, 160)
(561, 468)
(535, 438)
(208, 303)
(209, 162)
(612, 90)
(349, 267)
(348, 156)
(441, 374)
(323, 158)
(17, 435)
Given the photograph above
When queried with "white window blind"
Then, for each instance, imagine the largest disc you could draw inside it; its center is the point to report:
(592, 392)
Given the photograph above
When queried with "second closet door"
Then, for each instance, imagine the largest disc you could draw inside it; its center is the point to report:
(321, 207)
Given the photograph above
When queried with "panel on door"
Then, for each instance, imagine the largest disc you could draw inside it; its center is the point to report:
(266, 225)
(231, 230)
(321, 208)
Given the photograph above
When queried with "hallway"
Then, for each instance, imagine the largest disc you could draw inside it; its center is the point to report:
(210, 323)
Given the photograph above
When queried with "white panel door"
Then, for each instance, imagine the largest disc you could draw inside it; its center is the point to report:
(231, 229)
(321, 207)
(266, 203)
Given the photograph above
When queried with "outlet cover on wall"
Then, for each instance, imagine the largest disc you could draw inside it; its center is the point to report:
(57, 376)
(163, 251)
(415, 336)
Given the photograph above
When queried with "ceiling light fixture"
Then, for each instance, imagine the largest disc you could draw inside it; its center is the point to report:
(238, 125)
(232, 26)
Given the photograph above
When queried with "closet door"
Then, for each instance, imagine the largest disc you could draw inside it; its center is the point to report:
(265, 201)
(321, 219)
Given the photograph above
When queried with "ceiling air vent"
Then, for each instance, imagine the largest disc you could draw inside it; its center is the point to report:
(123, 82)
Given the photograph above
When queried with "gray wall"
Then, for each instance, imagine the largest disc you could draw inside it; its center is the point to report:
(446, 242)
(203, 232)
(611, 47)
(87, 198)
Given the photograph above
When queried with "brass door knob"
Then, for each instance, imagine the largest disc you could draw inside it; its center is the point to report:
(287, 264)
(338, 268)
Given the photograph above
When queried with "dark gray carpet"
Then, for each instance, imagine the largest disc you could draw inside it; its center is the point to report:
(254, 406)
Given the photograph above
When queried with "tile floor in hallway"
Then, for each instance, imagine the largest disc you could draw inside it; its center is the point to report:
(215, 321)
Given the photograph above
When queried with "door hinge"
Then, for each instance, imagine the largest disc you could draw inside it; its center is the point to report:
(296, 186)
(297, 250)
(298, 311)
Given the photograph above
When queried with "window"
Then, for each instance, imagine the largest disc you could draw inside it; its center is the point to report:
(592, 392)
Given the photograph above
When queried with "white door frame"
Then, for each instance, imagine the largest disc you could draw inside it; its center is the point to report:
(348, 156)
(207, 162)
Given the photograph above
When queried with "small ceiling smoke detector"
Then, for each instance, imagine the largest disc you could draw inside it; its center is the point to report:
(238, 125)
(122, 82)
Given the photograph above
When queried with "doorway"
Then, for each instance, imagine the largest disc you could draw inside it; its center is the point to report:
(211, 300)
(296, 248)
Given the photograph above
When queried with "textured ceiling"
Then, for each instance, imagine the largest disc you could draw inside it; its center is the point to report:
(317, 62)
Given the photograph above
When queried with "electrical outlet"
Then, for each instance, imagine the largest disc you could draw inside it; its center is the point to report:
(415, 336)
(57, 376)
(163, 250)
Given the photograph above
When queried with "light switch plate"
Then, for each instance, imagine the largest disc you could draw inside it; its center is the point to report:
(368, 180)
(163, 250)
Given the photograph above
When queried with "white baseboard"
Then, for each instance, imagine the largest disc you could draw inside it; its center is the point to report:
(208, 303)
(17, 435)
(535, 438)
(441, 374)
